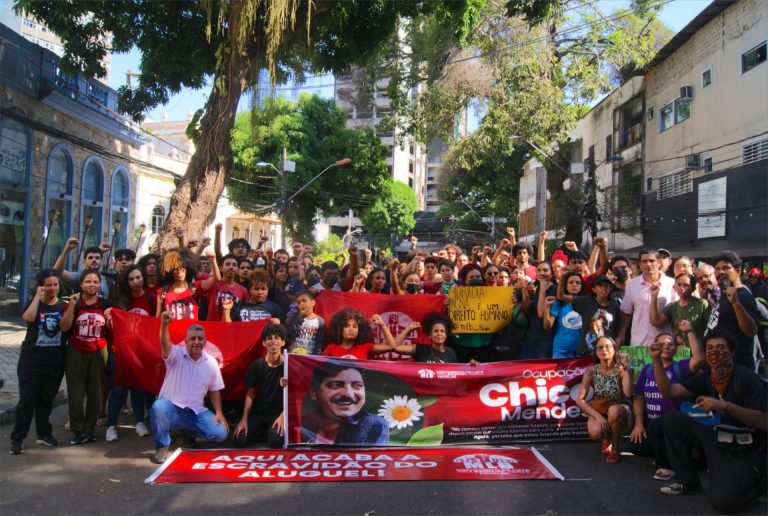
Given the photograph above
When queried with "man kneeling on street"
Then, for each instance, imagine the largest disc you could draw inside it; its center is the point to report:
(190, 374)
(732, 418)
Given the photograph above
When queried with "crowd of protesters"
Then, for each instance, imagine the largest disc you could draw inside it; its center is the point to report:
(568, 304)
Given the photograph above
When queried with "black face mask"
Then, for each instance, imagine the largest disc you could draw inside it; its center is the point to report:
(475, 282)
(412, 288)
(620, 273)
(313, 279)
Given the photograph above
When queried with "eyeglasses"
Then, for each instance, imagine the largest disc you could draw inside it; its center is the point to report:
(605, 346)
(491, 273)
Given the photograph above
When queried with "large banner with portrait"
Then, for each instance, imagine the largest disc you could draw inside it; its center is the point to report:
(374, 403)
(139, 362)
(396, 311)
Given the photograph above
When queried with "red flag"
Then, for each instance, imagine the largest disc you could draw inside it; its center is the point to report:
(397, 311)
(139, 362)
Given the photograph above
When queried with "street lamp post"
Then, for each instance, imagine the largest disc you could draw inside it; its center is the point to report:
(290, 166)
(115, 230)
(87, 221)
(53, 214)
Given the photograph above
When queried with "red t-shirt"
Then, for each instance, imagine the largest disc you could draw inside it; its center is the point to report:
(152, 291)
(362, 351)
(142, 305)
(219, 293)
(182, 305)
(87, 333)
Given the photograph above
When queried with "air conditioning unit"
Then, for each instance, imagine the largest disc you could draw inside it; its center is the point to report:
(686, 92)
(693, 161)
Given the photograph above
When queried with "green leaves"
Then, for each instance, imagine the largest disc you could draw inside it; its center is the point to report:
(392, 212)
(428, 436)
(313, 132)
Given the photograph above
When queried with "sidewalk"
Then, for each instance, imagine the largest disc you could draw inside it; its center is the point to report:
(12, 331)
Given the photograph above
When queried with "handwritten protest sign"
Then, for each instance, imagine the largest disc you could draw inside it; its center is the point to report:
(480, 309)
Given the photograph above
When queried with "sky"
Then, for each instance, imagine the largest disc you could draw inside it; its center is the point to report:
(676, 14)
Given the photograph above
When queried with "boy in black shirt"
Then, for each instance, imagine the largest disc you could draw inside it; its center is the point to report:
(257, 307)
(263, 411)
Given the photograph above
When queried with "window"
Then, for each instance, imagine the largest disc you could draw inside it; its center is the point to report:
(92, 202)
(682, 110)
(608, 147)
(58, 197)
(674, 184)
(706, 78)
(98, 94)
(711, 207)
(708, 164)
(666, 117)
(753, 57)
(648, 184)
(120, 198)
(755, 151)
(158, 218)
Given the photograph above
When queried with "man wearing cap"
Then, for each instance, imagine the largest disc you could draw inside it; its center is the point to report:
(665, 260)
(755, 280)
(636, 305)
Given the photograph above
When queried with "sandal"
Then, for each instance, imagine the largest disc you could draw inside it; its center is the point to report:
(663, 474)
(612, 458)
(606, 447)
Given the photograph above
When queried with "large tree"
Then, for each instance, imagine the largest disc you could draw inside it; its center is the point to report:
(183, 42)
(392, 213)
(313, 132)
(533, 75)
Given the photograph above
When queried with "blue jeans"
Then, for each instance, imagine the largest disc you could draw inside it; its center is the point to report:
(165, 416)
(117, 395)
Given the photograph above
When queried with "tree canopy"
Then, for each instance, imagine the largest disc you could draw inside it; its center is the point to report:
(231, 41)
(313, 132)
(392, 213)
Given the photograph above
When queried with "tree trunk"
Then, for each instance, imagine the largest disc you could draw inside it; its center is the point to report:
(193, 204)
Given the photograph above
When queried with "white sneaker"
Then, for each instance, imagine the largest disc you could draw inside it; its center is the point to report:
(112, 434)
(141, 429)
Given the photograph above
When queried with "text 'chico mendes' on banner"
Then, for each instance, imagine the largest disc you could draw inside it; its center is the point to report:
(374, 403)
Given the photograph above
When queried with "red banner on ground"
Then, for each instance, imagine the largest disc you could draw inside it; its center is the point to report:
(370, 402)
(397, 311)
(360, 465)
(139, 362)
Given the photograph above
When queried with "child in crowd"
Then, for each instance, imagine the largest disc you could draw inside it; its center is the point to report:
(351, 337)
(257, 307)
(262, 418)
(306, 330)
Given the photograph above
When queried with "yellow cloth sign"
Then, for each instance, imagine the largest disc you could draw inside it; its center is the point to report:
(480, 309)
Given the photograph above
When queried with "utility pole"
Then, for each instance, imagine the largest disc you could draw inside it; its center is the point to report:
(589, 210)
(283, 195)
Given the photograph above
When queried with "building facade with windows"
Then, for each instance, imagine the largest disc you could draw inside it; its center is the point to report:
(705, 184)
(681, 153)
(63, 151)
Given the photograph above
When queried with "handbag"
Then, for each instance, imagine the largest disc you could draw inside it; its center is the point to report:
(601, 404)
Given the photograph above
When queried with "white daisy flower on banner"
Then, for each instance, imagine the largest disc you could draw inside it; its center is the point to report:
(400, 411)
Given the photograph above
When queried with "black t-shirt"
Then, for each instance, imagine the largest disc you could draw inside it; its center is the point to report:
(429, 354)
(536, 331)
(247, 311)
(266, 380)
(745, 389)
(723, 316)
(595, 317)
(43, 348)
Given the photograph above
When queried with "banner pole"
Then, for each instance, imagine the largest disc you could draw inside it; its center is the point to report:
(285, 400)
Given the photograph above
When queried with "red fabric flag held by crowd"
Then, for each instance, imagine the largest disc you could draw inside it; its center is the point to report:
(397, 311)
(139, 362)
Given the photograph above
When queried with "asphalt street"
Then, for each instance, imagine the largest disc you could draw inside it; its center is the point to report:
(108, 478)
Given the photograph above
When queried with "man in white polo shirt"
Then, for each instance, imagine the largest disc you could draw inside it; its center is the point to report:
(636, 305)
(190, 374)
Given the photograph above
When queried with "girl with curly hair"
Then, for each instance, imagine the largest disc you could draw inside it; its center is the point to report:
(350, 336)
(178, 270)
